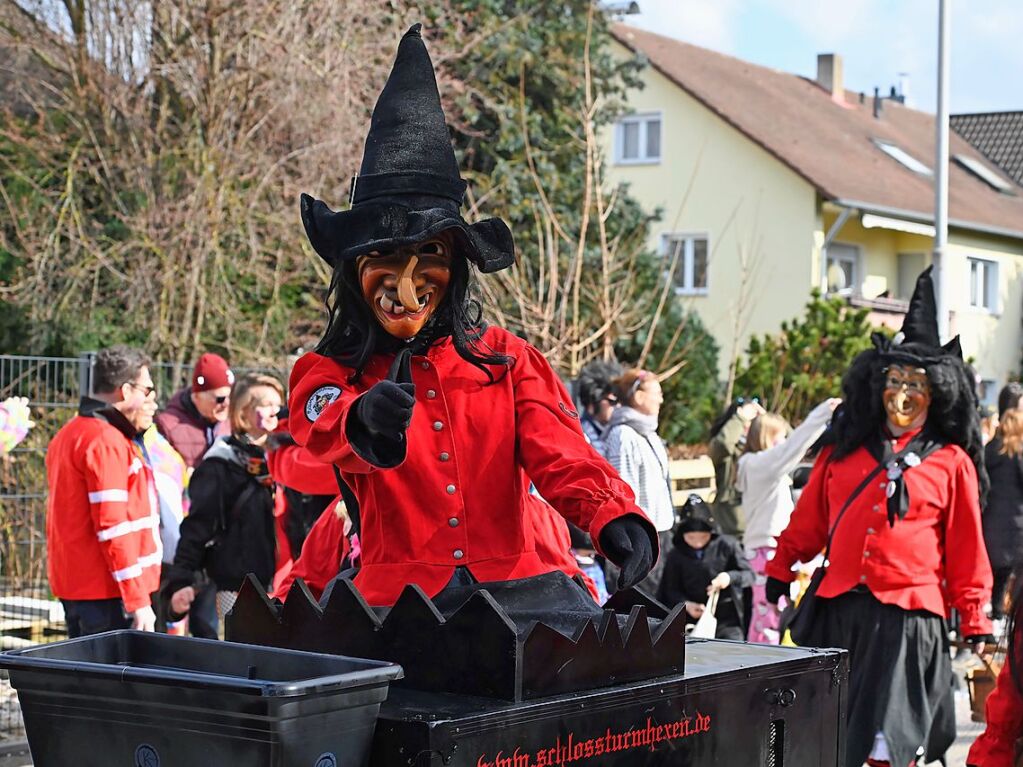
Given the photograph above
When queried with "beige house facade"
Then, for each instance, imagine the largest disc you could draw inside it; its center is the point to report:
(770, 184)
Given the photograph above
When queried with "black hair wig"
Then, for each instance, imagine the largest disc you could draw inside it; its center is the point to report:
(353, 335)
(951, 418)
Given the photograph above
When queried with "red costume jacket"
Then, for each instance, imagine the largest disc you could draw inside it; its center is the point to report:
(460, 495)
(996, 746)
(931, 560)
(322, 553)
(327, 545)
(295, 467)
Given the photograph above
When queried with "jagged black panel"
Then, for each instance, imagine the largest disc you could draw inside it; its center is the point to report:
(478, 650)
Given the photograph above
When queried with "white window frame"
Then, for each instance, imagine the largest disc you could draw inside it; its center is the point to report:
(686, 261)
(642, 119)
(904, 158)
(857, 262)
(990, 276)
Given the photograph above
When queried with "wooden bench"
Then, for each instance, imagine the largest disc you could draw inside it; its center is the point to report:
(691, 475)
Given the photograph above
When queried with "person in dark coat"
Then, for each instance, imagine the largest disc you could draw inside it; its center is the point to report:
(703, 558)
(1003, 513)
(229, 531)
(192, 421)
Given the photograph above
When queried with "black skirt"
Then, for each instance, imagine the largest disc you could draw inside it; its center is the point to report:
(900, 676)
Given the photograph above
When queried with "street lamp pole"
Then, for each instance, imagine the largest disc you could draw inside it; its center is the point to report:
(941, 260)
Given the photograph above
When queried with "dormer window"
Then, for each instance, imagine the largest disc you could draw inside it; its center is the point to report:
(903, 157)
(638, 139)
(984, 173)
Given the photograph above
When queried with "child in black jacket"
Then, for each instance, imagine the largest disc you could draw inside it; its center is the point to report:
(703, 559)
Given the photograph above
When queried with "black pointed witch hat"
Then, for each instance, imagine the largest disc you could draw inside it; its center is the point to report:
(918, 342)
(409, 188)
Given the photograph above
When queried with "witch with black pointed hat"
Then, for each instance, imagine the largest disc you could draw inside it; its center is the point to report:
(437, 421)
(895, 500)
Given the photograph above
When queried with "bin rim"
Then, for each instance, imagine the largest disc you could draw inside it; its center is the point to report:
(378, 673)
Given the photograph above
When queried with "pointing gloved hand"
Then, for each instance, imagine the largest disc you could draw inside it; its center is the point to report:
(626, 542)
(386, 409)
(775, 590)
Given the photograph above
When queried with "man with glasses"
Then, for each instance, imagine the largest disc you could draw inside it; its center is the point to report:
(192, 421)
(197, 415)
(102, 521)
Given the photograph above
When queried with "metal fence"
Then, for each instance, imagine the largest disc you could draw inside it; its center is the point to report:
(54, 387)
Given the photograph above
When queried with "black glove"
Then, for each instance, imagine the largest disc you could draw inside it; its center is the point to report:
(775, 590)
(386, 409)
(626, 542)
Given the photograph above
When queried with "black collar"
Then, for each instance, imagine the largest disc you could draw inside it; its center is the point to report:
(90, 407)
(189, 406)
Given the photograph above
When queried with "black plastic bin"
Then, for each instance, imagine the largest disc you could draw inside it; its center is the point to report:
(150, 700)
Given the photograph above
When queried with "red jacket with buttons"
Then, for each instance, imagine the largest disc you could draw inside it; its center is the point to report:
(326, 547)
(932, 560)
(102, 517)
(459, 497)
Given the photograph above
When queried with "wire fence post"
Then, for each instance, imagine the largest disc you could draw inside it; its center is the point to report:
(86, 361)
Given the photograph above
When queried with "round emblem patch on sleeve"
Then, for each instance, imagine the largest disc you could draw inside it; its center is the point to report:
(320, 400)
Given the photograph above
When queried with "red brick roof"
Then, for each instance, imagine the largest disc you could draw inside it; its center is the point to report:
(831, 145)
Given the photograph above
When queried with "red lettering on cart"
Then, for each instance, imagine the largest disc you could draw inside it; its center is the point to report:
(648, 735)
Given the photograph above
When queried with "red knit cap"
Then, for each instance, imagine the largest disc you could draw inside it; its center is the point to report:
(211, 372)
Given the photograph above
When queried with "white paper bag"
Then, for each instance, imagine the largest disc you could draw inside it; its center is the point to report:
(706, 627)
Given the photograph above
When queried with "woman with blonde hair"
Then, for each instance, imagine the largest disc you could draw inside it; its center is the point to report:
(1002, 517)
(638, 454)
(229, 530)
(763, 479)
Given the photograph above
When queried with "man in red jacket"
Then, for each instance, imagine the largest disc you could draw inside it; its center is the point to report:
(102, 517)
(908, 546)
(437, 422)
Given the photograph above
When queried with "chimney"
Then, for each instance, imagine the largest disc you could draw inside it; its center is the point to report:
(904, 88)
(829, 75)
(878, 105)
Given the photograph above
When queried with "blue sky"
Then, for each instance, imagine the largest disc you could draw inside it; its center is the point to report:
(877, 39)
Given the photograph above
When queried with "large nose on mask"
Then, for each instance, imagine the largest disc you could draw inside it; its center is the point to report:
(407, 285)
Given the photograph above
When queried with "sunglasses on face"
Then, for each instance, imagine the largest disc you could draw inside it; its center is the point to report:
(146, 390)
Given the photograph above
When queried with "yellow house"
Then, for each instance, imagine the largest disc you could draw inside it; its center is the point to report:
(771, 184)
